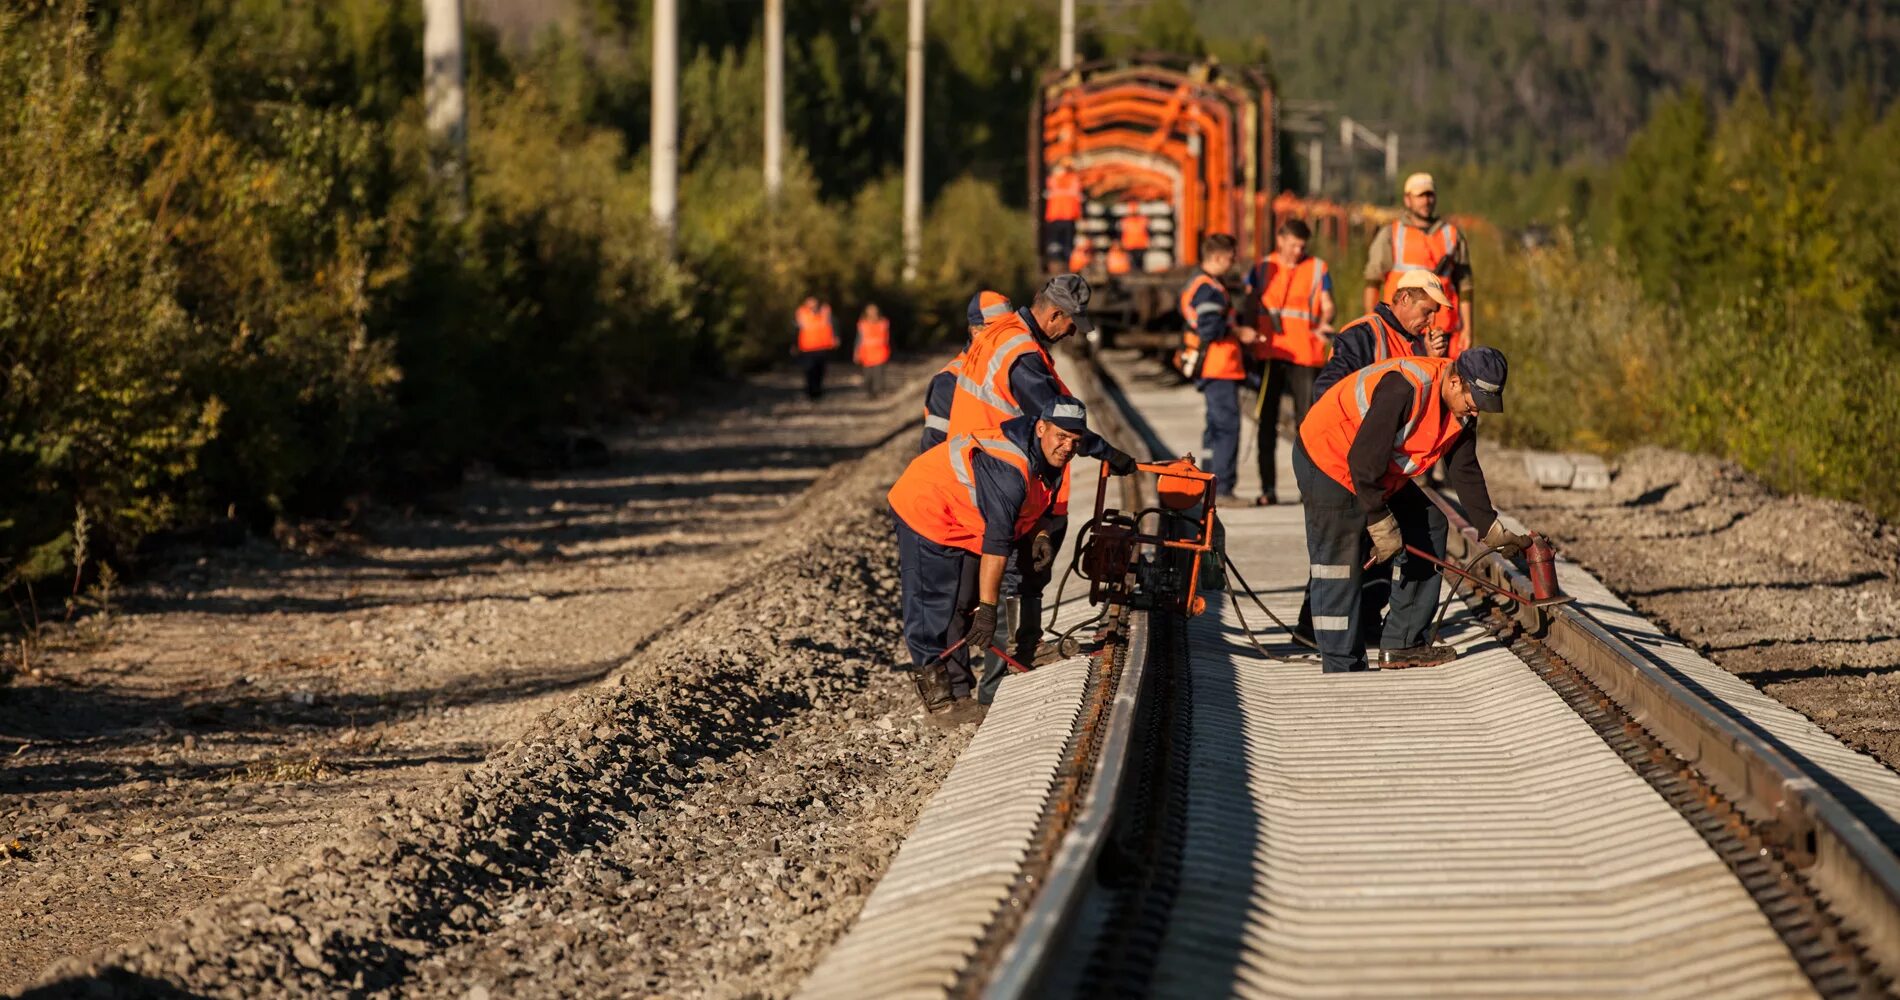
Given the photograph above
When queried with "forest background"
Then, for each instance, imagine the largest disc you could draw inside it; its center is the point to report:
(231, 294)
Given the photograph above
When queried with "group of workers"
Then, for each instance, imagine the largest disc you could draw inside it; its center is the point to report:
(1128, 241)
(816, 339)
(981, 512)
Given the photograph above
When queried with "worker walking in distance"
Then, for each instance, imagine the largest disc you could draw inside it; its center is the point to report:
(1292, 294)
(960, 509)
(1355, 458)
(873, 348)
(1010, 371)
(1213, 358)
(1061, 210)
(816, 341)
(1421, 241)
(985, 307)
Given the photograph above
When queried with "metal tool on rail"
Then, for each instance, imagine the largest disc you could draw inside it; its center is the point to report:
(1543, 563)
(1157, 569)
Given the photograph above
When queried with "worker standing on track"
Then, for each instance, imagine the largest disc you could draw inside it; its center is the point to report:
(1061, 210)
(1213, 358)
(1134, 232)
(1082, 256)
(1355, 458)
(1010, 371)
(816, 341)
(1294, 294)
(985, 308)
(873, 349)
(960, 509)
(1421, 241)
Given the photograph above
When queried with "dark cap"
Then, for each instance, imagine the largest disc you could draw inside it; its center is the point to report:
(1484, 372)
(986, 306)
(1071, 295)
(1068, 413)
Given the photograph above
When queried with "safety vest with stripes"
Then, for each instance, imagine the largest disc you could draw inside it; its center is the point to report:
(1415, 249)
(1427, 435)
(874, 342)
(936, 495)
(1291, 299)
(940, 422)
(814, 329)
(1220, 359)
(1388, 341)
(984, 398)
(1064, 201)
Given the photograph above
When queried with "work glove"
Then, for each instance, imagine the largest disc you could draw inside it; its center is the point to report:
(1504, 541)
(982, 627)
(1386, 540)
(1119, 462)
(1042, 551)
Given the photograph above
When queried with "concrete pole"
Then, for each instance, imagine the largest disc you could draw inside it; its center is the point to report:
(1345, 148)
(1066, 55)
(1315, 167)
(1391, 156)
(774, 96)
(445, 95)
(914, 143)
(664, 144)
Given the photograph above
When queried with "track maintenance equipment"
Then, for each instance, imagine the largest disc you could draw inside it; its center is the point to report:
(1159, 569)
(1543, 562)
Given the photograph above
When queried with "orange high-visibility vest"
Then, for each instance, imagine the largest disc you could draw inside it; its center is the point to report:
(1117, 259)
(936, 495)
(1221, 359)
(1291, 298)
(874, 342)
(1415, 249)
(1080, 256)
(1428, 433)
(1390, 342)
(940, 422)
(984, 398)
(814, 329)
(1135, 230)
(994, 305)
(1063, 202)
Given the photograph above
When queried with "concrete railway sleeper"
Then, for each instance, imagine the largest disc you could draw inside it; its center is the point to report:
(1576, 805)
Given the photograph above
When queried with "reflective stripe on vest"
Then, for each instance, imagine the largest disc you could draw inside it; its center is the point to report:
(1295, 343)
(1427, 433)
(938, 498)
(936, 423)
(1433, 247)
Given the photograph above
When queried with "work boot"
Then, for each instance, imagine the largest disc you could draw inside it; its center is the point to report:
(1426, 655)
(933, 686)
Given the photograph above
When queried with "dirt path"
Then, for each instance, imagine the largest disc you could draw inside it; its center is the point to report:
(1800, 596)
(246, 704)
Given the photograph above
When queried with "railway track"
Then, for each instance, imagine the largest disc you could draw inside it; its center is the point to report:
(1577, 806)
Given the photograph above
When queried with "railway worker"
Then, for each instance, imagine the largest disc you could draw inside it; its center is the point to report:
(1118, 261)
(1134, 229)
(1355, 458)
(1214, 358)
(1404, 326)
(816, 341)
(1010, 371)
(985, 308)
(1082, 256)
(873, 348)
(960, 509)
(1421, 241)
(1061, 210)
(1294, 293)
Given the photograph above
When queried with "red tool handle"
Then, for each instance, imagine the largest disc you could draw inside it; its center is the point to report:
(1014, 666)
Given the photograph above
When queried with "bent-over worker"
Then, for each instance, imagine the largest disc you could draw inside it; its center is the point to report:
(1357, 453)
(985, 307)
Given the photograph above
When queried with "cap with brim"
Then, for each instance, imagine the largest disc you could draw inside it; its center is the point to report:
(986, 306)
(1484, 371)
(1427, 282)
(1419, 184)
(1068, 413)
(1070, 293)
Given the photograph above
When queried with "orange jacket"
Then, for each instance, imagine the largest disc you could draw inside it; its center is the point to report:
(874, 342)
(1291, 298)
(1415, 249)
(1135, 230)
(814, 329)
(1220, 359)
(1063, 201)
(984, 398)
(1118, 259)
(1080, 256)
(1429, 431)
(936, 495)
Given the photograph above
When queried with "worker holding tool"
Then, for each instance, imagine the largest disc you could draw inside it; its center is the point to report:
(1356, 456)
(1292, 294)
(873, 348)
(816, 341)
(1214, 358)
(1010, 371)
(1061, 210)
(960, 510)
(1421, 241)
(985, 307)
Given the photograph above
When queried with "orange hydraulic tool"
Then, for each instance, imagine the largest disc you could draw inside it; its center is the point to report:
(1156, 569)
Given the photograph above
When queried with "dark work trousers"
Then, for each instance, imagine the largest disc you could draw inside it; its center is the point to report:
(814, 364)
(1413, 597)
(1220, 442)
(1023, 582)
(939, 589)
(1283, 378)
(874, 380)
(1058, 239)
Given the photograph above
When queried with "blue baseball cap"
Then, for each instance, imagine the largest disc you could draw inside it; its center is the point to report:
(1484, 371)
(1068, 413)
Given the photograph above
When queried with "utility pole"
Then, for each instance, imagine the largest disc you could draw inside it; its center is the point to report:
(1066, 56)
(1315, 167)
(914, 143)
(1391, 156)
(664, 144)
(774, 97)
(445, 96)
(1345, 147)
